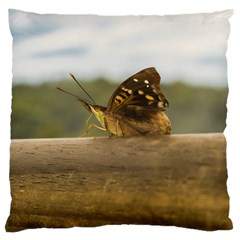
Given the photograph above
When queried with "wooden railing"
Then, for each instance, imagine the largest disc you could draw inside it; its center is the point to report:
(167, 180)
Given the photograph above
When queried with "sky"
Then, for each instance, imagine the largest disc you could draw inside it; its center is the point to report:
(47, 47)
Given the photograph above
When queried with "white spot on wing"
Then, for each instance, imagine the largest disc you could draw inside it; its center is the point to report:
(146, 81)
(135, 80)
(160, 105)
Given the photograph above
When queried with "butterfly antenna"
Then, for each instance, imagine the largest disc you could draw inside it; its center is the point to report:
(81, 87)
(68, 92)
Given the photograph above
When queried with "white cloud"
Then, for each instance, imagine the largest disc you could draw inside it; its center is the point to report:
(117, 47)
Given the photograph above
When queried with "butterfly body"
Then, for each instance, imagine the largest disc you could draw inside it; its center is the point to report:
(135, 108)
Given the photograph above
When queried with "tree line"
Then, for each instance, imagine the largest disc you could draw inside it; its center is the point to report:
(42, 111)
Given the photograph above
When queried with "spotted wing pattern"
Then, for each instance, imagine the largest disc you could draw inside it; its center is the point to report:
(139, 92)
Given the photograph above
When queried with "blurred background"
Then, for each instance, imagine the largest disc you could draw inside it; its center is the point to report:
(188, 51)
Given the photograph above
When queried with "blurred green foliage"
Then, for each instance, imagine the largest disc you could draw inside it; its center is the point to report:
(42, 111)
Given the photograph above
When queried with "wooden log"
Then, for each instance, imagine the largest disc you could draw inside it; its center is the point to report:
(164, 180)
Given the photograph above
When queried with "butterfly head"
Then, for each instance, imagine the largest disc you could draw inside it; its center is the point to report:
(97, 110)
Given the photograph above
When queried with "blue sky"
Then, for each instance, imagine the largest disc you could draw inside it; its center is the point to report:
(186, 47)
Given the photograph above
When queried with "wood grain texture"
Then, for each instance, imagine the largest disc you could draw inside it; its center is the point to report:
(165, 180)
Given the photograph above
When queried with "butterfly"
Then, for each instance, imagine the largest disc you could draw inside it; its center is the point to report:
(135, 108)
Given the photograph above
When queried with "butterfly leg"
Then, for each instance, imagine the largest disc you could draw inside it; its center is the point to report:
(89, 127)
(119, 130)
(88, 119)
(117, 127)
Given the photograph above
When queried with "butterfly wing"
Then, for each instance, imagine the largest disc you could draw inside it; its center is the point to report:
(141, 89)
(137, 105)
(154, 124)
(137, 120)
